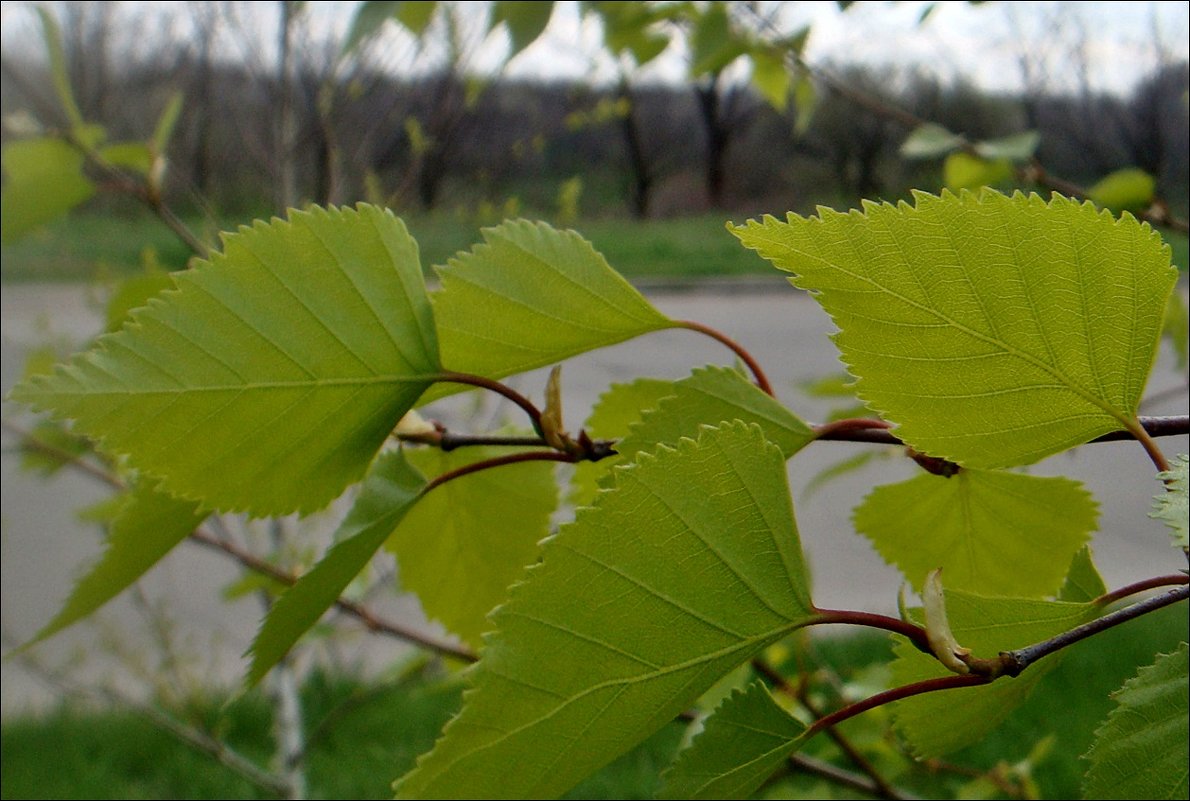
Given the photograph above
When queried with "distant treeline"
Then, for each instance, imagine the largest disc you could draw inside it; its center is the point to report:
(647, 150)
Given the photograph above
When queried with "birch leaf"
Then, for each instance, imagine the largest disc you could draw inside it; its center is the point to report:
(993, 330)
(269, 378)
(611, 635)
(991, 532)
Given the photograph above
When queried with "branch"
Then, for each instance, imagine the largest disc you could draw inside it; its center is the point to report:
(1014, 662)
(1155, 427)
(880, 786)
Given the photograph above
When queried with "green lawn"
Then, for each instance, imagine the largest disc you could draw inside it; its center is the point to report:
(379, 730)
(88, 245)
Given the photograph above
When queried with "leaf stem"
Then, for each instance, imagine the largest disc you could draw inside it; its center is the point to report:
(762, 380)
(508, 392)
(915, 634)
(498, 461)
(1172, 580)
(881, 787)
(1142, 436)
(837, 428)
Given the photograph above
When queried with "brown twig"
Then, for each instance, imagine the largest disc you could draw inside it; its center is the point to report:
(880, 786)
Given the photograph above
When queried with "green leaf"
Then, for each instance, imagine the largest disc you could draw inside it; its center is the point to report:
(1141, 751)
(270, 377)
(134, 292)
(149, 524)
(712, 45)
(964, 171)
(1083, 582)
(134, 156)
(617, 408)
(745, 741)
(1172, 507)
(928, 141)
(938, 723)
(626, 28)
(805, 102)
(59, 71)
(611, 636)
(415, 15)
(389, 491)
(58, 448)
(990, 532)
(464, 543)
(1176, 328)
(1017, 147)
(166, 123)
(709, 396)
(525, 19)
(993, 330)
(368, 20)
(43, 180)
(1124, 190)
(531, 296)
(771, 78)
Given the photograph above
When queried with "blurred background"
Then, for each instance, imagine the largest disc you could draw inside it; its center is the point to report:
(644, 126)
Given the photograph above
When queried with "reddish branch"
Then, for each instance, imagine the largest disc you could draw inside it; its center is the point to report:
(1155, 426)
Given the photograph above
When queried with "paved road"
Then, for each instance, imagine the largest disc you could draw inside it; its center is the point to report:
(45, 545)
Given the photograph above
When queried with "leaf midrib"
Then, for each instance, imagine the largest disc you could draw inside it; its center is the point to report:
(750, 642)
(1074, 386)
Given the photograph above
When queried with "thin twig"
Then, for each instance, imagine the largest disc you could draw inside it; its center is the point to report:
(880, 786)
(251, 561)
(1170, 426)
(199, 740)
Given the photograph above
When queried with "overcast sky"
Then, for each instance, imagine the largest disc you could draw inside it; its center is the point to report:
(981, 43)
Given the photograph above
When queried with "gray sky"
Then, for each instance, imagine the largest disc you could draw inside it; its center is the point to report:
(1114, 41)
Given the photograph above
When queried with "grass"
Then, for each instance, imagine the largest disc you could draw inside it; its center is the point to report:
(87, 245)
(379, 730)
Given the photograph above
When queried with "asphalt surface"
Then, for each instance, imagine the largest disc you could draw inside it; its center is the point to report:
(179, 632)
